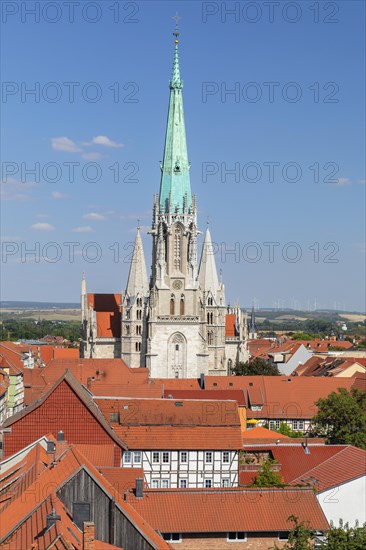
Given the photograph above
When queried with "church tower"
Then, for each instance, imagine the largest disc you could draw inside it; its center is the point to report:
(177, 344)
(134, 309)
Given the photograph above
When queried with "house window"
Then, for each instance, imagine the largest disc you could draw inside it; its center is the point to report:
(226, 482)
(236, 536)
(183, 483)
(127, 457)
(165, 457)
(226, 457)
(184, 456)
(172, 305)
(283, 535)
(274, 424)
(208, 483)
(208, 457)
(137, 457)
(210, 302)
(155, 484)
(301, 424)
(156, 457)
(165, 483)
(172, 537)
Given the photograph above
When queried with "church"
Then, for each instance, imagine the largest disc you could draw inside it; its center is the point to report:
(176, 323)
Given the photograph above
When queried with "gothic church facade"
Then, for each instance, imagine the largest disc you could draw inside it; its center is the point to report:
(176, 323)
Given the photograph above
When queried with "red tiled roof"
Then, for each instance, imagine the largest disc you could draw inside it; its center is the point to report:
(21, 524)
(232, 395)
(108, 310)
(210, 511)
(66, 406)
(346, 464)
(230, 321)
(157, 412)
(261, 433)
(99, 455)
(324, 467)
(180, 437)
(122, 479)
(284, 396)
(65, 353)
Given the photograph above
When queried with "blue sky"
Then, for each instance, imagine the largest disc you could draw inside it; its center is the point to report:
(297, 114)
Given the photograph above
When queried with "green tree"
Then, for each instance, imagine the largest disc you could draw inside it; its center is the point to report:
(267, 476)
(345, 538)
(255, 367)
(341, 418)
(285, 429)
(303, 336)
(300, 536)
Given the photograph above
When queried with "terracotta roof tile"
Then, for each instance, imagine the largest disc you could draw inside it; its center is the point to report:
(210, 511)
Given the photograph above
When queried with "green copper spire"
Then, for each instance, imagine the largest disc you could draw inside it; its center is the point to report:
(175, 186)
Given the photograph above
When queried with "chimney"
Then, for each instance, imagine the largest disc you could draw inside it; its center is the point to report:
(60, 436)
(88, 535)
(139, 491)
(50, 447)
(51, 519)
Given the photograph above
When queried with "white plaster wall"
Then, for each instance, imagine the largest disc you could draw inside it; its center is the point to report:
(346, 502)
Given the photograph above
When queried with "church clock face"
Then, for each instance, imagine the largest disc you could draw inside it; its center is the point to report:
(177, 285)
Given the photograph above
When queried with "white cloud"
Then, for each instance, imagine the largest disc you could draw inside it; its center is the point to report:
(83, 229)
(105, 141)
(16, 190)
(58, 196)
(43, 227)
(91, 156)
(343, 181)
(94, 216)
(65, 144)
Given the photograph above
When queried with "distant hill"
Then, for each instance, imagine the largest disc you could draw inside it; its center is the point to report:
(38, 305)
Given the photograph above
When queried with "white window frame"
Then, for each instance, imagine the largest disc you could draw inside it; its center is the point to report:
(210, 453)
(184, 453)
(225, 482)
(139, 453)
(163, 455)
(156, 455)
(155, 483)
(224, 455)
(236, 536)
(165, 483)
(125, 455)
(185, 484)
(210, 483)
(168, 537)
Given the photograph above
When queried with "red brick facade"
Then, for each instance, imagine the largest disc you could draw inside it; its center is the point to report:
(61, 411)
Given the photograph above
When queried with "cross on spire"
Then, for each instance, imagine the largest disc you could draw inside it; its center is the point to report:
(176, 18)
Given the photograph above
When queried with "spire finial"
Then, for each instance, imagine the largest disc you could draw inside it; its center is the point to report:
(176, 18)
(138, 225)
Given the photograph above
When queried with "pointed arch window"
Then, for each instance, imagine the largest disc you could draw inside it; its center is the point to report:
(138, 330)
(210, 301)
(139, 314)
(210, 338)
(177, 248)
(210, 318)
(172, 305)
(181, 306)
